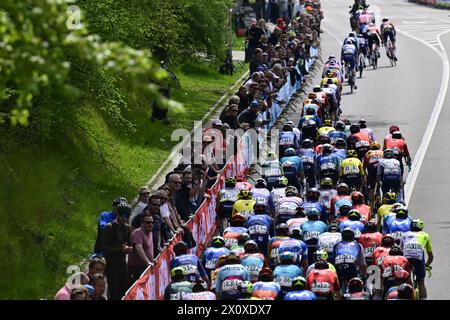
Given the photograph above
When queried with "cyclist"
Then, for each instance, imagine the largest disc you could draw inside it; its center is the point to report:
(392, 263)
(352, 38)
(295, 130)
(244, 203)
(311, 230)
(360, 205)
(225, 201)
(388, 32)
(353, 222)
(293, 167)
(238, 247)
(370, 240)
(373, 37)
(343, 213)
(349, 54)
(308, 156)
(356, 290)
(326, 194)
(386, 223)
(281, 235)
(325, 128)
(340, 149)
(311, 103)
(234, 231)
(308, 124)
(279, 190)
(328, 164)
(229, 278)
(387, 242)
(337, 133)
(401, 223)
(266, 288)
(401, 277)
(323, 282)
(389, 199)
(415, 243)
(253, 260)
(191, 265)
(299, 291)
(199, 292)
(246, 291)
(321, 141)
(359, 140)
(312, 202)
(286, 271)
(389, 172)
(320, 254)
(287, 139)
(260, 226)
(242, 183)
(327, 240)
(289, 205)
(261, 195)
(405, 292)
(370, 164)
(331, 78)
(342, 197)
(220, 263)
(212, 254)
(352, 172)
(398, 144)
(300, 250)
(392, 129)
(364, 18)
(363, 45)
(178, 285)
(271, 170)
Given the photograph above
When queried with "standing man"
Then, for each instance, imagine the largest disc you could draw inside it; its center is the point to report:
(144, 195)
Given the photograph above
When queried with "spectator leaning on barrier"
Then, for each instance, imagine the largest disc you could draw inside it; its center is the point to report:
(116, 244)
(77, 279)
(185, 207)
(248, 116)
(167, 228)
(235, 99)
(144, 194)
(231, 116)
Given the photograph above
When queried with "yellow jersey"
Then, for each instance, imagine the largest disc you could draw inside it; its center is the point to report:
(324, 131)
(351, 166)
(383, 211)
(243, 206)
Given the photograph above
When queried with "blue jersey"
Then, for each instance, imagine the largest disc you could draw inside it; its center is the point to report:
(288, 140)
(311, 230)
(263, 195)
(260, 228)
(191, 265)
(315, 205)
(386, 223)
(300, 295)
(348, 255)
(335, 134)
(296, 246)
(296, 163)
(340, 153)
(266, 290)
(211, 256)
(348, 50)
(328, 163)
(308, 159)
(254, 264)
(356, 226)
(285, 273)
(315, 118)
(228, 280)
(402, 225)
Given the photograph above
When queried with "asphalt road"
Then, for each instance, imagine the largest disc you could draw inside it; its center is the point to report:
(408, 95)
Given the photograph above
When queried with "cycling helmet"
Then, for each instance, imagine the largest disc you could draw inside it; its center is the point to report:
(266, 272)
(357, 197)
(370, 227)
(245, 287)
(340, 143)
(290, 152)
(251, 246)
(333, 227)
(180, 248)
(352, 34)
(326, 182)
(355, 285)
(233, 257)
(307, 144)
(296, 233)
(401, 213)
(287, 256)
(332, 57)
(321, 254)
(396, 135)
(317, 89)
(324, 139)
(241, 177)
(177, 272)
(287, 127)
(260, 183)
(354, 128)
(348, 234)
(299, 283)
(243, 238)
(199, 286)
(238, 218)
(327, 149)
(218, 241)
(340, 126)
(352, 154)
(313, 194)
(417, 225)
(312, 95)
(389, 197)
(375, 146)
(405, 291)
(282, 229)
(362, 122)
(387, 241)
(385, 19)
(312, 212)
(327, 123)
(118, 200)
(344, 210)
(342, 188)
(271, 156)
(291, 191)
(230, 182)
(348, 41)
(396, 251)
(354, 215)
(222, 260)
(283, 181)
(123, 209)
(393, 128)
(244, 194)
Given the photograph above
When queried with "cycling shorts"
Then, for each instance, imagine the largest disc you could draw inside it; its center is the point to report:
(355, 182)
(419, 268)
(388, 34)
(373, 38)
(371, 177)
(350, 59)
(390, 184)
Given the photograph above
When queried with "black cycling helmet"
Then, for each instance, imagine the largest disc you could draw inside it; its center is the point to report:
(354, 128)
(387, 241)
(340, 126)
(344, 210)
(340, 143)
(397, 135)
(307, 144)
(327, 149)
(405, 291)
(362, 123)
(243, 238)
(118, 200)
(313, 194)
(370, 227)
(348, 234)
(354, 215)
(342, 188)
(230, 182)
(355, 285)
(396, 251)
(180, 248)
(260, 183)
(251, 247)
(326, 182)
(401, 213)
(298, 283)
(282, 230)
(333, 228)
(324, 139)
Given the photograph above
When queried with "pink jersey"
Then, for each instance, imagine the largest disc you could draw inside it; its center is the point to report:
(365, 18)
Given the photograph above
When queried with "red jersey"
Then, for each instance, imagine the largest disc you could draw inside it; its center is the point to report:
(391, 264)
(322, 282)
(372, 158)
(244, 185)
(398, 145)
(370, 241)
(334, 209)
(364, 210)
(319, 149)
(389, 136)
(379, 254)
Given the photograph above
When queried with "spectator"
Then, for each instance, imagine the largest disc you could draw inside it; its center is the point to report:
(252, 93)
(116, 244)
(167, 228)
(183, 197)
(247, 118)
(253, 80)
(231, 117)
(142, 239)
(144, 194)
(174, 185)
(233, 100)
(256, 61)
(79, 292)
(106, 217)
(96, 265)
(276, 34)
(98, 281)
(244, 101)
(263, 27)
(264, 43)
(254, 33)
(77, 279)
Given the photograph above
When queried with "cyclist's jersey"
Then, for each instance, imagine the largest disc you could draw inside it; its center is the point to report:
(362, 42)
(372, 158)
(292, 166)
(298, 247)
(287, 208)
(392, 264)
(325, 130)
(238, 249)
(272, 171)
(335, 134)
(328, 163)
(336, 70)
(266, 290)
(327, 241)
(175, 289)
(356, 226)
(243, 206)
(348, 51)
(285, 273)
(312, 267)
(339, 201)
(260, 228)
(311, 230)
(323, 283)
(243, 185)
(335, 81)
(359, 141)
(364, 210)
(304, 120)
(308, 106)
(262, 195)
(415, 244)
(274, 245)
(300, 295)
(389, 169)
(295, 223)
(232, 235)
(315, 205)
(369, 133)
(357, 296)
(387, 27)
(288, 139)
(352, 168)
(379, 254)
(398, 145)
(191, 265)
(228, 197)
(308, 159)
(205, 295)
(374, 30)
(365, 18)
(348, 256)
(386, 223)
(383, 211)
(325, 198)
(211, 257)
(399, 226)
(341, 154)
(228, 279)
(369, 242)
(254, 263)
(322, 98)
(277, 194)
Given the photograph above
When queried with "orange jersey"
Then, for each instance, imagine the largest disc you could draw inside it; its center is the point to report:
(370, 241)
(379, 254)
(322, 282)
(398, 145)
(364, 210)
(392, 264)
(372, 158)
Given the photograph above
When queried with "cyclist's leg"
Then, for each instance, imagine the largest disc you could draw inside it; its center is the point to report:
(419, 270)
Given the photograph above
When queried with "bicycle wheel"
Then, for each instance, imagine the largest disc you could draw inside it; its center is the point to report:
(361, 65)
(375, 60)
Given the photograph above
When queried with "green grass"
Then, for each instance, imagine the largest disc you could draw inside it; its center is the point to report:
(238, 43)
(51, 194)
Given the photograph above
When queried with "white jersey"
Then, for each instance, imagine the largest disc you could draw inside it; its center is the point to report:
(289, 205)
(295, 223)
(327, 241)
(412, 249)
(277, 194)
(205, 295)
(389, 167)
(325, 198)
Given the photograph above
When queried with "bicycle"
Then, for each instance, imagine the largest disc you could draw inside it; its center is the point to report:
(374, 57)
(415, 282)
(390, 52)
(361, 64)
(351, 76)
